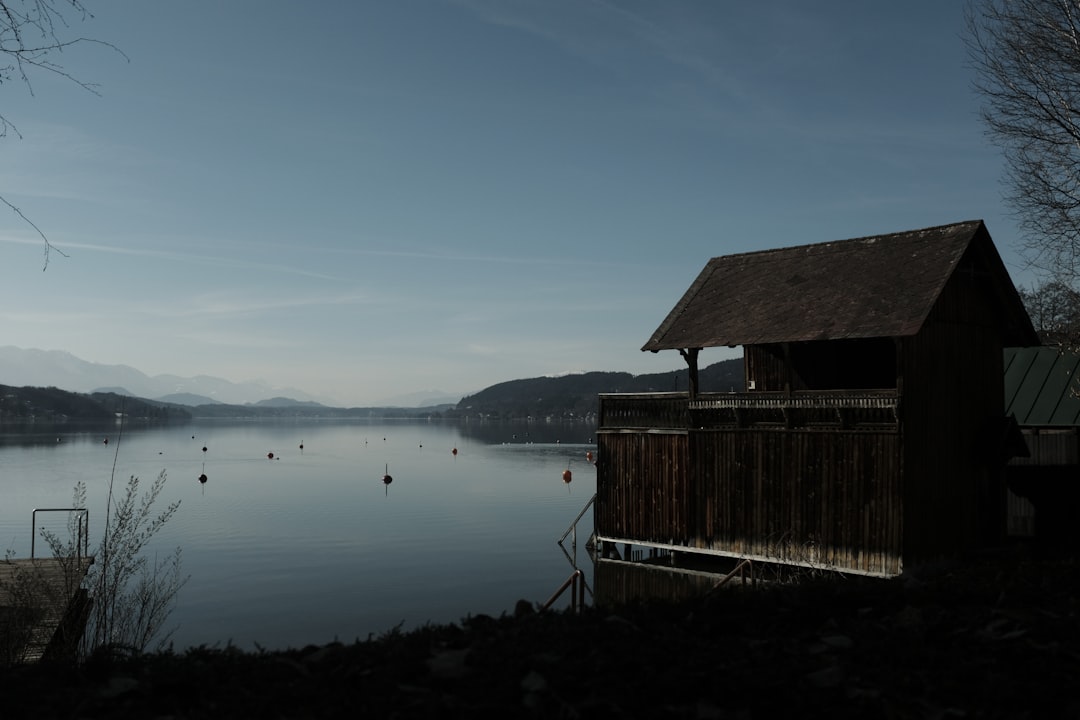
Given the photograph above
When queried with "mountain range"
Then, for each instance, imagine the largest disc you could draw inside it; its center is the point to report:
(564, 396)
(55, 368)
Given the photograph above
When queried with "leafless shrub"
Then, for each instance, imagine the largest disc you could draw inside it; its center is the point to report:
(133, 595)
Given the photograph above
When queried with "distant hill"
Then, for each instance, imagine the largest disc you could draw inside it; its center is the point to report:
(52, 405)
(189, 399)
(54, 368)
(575, 396)
(288, 402)
(567, 396)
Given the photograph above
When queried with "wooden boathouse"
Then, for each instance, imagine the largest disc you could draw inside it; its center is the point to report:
(1044, 486)
(870, 433)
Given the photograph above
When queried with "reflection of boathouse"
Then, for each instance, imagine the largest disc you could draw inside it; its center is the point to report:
(870, 431)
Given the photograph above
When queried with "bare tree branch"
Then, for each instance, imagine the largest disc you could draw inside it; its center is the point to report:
(32, 35)
(48, 246)
(1026, 56)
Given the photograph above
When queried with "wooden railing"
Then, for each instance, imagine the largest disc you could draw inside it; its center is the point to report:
(675, 411)
(644, 411)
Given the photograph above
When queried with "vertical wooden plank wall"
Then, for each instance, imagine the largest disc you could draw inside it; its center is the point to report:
(641, 487)
(817, 497)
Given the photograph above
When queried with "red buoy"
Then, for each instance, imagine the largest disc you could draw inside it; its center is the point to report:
(589, 456)
(567, 476)
(454, 451)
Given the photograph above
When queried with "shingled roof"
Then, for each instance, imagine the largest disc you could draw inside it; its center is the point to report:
(880, 286)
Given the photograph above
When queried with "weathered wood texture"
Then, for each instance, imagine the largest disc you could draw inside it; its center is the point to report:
(812, 497)
(644, 411)
(1050, 447)
(42, 607)
(642, 486)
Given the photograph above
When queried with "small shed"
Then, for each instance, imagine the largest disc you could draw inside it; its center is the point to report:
(1044, 487)
(869, 431)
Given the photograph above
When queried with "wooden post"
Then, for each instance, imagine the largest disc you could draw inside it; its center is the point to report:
(690, 355)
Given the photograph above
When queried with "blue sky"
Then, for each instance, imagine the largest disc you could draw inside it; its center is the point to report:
(367, 199)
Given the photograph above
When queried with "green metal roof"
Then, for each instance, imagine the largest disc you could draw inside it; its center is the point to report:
(1041, 386)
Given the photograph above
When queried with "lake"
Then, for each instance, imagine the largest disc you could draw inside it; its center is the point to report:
(311, 546)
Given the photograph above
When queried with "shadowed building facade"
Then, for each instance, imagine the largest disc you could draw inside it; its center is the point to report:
(870, 432)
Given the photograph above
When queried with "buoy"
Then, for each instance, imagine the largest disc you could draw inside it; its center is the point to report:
(204, 448)
(301, 447)
(106, 441)
(567, 476)
(386, 479)
(589, 456)
(202, 478)
(270, 456)
(454, 452)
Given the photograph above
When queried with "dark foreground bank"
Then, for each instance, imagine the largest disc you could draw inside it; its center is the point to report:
(990, 637)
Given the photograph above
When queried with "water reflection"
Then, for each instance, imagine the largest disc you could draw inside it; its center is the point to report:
(301, 549)
(524, 431)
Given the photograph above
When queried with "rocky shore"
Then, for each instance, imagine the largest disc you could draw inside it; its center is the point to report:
(993, 636)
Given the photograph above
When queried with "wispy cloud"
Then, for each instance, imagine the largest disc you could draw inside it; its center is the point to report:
(442, 256)
(242, 304)
(606, 34)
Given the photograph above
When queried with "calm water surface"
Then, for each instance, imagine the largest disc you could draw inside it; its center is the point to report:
(311, 546)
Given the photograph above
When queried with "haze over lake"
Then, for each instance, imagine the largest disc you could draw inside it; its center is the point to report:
(311, 546)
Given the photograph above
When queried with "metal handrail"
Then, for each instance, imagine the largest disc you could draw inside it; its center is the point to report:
(577, 593)
(741, 569)
(573, 525)
(82, 534)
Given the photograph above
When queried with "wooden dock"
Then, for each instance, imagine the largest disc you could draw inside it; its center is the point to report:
(43, 608)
